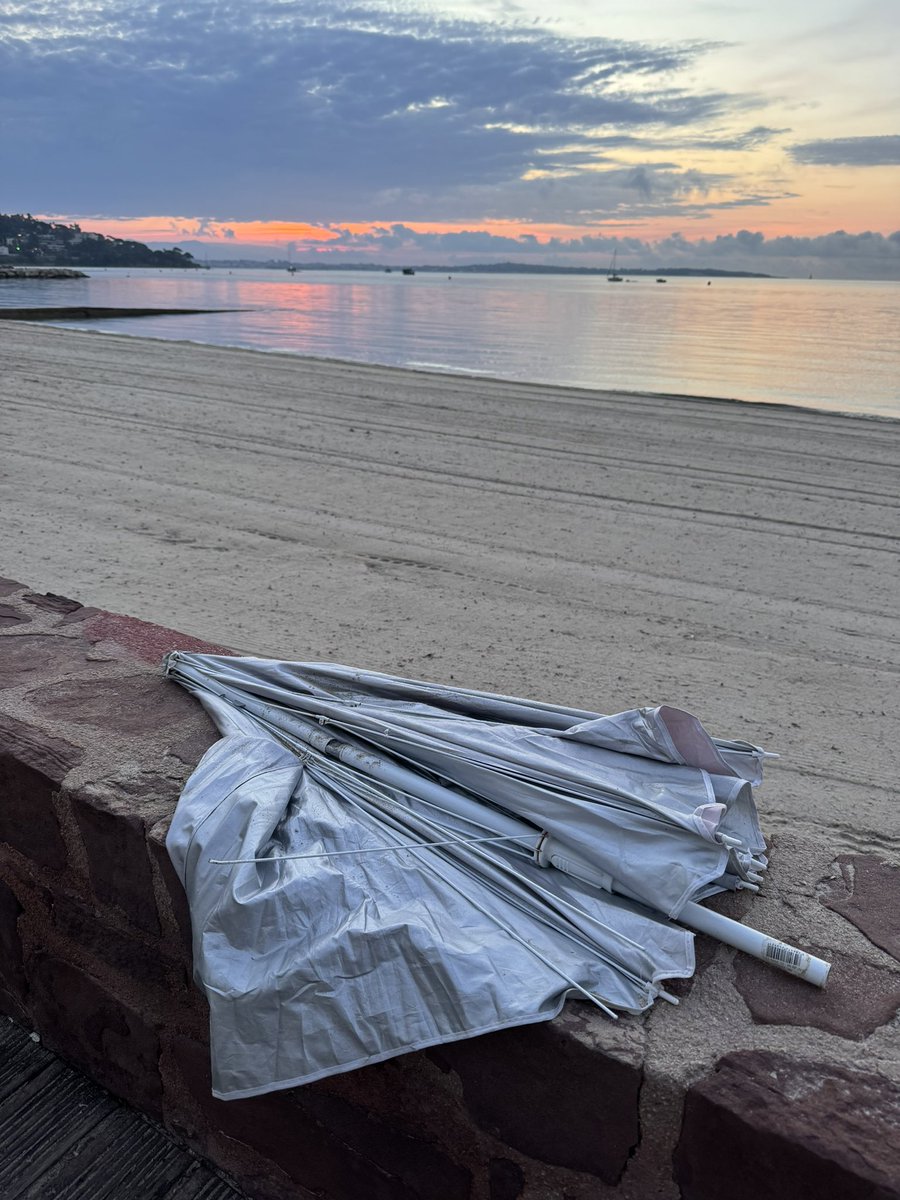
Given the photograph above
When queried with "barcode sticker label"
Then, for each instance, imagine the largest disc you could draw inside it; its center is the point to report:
(787, 957)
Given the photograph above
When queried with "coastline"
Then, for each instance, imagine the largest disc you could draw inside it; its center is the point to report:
(598, 549)
(426, 371)
(683, 341)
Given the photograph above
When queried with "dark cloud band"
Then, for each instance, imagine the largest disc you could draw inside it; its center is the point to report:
(883, 151)
(261, 108)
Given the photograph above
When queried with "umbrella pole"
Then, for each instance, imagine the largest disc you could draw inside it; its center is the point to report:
(760, 945)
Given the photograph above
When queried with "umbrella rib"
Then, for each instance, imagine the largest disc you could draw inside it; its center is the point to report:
(230, 862)
(523, 882)
(518, 937)
(307, 754)
(372, 787)
(613, 800)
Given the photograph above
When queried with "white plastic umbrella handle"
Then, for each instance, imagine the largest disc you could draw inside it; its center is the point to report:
(695, 916)
(760, 945)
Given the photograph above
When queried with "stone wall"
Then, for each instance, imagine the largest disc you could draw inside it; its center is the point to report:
(95, 955)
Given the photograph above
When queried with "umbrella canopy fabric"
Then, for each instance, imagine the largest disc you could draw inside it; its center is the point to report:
(365, 859)
(649, 775)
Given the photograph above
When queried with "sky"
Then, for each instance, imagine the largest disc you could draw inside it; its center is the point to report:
(759, 136)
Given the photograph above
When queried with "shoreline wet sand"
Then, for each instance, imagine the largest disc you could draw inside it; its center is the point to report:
(75, 313)
(592, 548)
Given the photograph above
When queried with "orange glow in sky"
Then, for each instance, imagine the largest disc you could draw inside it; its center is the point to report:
(821, 208)
(302, 237)
(816, 202)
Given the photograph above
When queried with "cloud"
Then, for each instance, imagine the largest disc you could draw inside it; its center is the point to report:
(748, 139)
(881, 151)
(839, 254)
(260, 108)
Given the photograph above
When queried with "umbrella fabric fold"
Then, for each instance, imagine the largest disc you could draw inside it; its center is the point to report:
(350, 899)
(320, 965)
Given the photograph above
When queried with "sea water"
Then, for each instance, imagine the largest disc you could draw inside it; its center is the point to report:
(815, 343)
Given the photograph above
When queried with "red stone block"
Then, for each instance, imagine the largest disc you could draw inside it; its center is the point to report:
(411, 1160)
(11, 615)
(191, 748)
(78, 615)
(114, 832)
(318, 1141)
(178, 904)
(50, 602)
(29, 657)
(93, 937)
(763, 1125)
(858, 1000)
(33, 765)
(149, 643)
(506, 1179)
(13, 985)
(867, 896)
(548, 1095)
(79, 1018)
(143, 705)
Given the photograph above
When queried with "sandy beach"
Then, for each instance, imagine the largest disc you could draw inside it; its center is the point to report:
(597, 549)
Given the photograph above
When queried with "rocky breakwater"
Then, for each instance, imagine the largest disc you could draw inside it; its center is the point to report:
(40, 273)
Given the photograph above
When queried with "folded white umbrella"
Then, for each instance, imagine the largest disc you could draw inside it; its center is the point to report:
(366, 857)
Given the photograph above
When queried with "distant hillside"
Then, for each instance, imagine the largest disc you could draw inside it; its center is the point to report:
(497, 268)
(519, 268)
(43, 243)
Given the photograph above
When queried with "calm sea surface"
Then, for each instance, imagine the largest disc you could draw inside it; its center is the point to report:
(817, 343)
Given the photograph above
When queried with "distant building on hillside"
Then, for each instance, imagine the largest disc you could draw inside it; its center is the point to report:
(35, 242)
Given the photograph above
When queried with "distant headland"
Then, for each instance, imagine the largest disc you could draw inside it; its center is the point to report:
(26, 241)
(498, 268)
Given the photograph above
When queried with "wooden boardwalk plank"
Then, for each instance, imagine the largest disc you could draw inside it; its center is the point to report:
(20, 1058)
(63, 1136)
